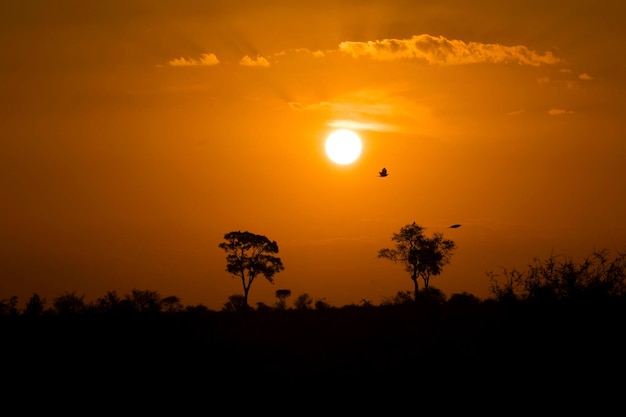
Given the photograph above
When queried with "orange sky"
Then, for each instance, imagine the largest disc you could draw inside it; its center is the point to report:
(135, 134)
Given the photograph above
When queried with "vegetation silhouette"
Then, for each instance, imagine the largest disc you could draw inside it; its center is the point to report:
(420, 255)
(249, 255)
(551, 324)
(560, 278)
(282, 296)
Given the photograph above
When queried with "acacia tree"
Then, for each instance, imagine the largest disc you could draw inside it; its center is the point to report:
(249, 255)
(421, 256)
(282, 298)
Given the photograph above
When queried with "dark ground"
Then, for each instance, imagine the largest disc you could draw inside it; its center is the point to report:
(396, 355)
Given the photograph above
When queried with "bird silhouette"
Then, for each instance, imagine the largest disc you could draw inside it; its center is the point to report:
(383, 173)
(454, 226)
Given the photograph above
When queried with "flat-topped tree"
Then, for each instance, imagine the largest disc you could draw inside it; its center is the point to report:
(249, 255)
(282, 296)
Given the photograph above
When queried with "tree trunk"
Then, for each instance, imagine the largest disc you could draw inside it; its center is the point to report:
(246, 288)
(245, 298)
(415, 284)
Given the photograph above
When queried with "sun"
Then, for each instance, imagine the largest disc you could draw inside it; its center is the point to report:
(343, 146)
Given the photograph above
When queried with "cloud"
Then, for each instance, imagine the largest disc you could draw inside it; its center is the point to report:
(259, 62)
(435, 50)
(359, 116)
(585, 77)
(438, 50)
(371, 109)
(356, 125)
(305, 51)
(559, 112)
(205, 60)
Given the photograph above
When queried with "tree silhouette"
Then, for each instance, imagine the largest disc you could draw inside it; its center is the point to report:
(108, 303)
(401, 297)
(144, 301)
(282, 296)
(421, 256)
(9, 307)
(68, 304)
(261, 306)
(321, 304)
(303, 302)
(35, 306)
(172, 304)
(235, 303)
(249, 255)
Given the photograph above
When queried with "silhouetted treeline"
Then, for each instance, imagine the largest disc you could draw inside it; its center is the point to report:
(597, 277)
(462, 336)
(552, 324)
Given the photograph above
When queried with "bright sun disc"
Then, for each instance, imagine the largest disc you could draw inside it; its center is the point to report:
(343, 146)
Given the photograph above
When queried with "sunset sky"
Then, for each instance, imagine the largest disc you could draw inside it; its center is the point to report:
(136, 133)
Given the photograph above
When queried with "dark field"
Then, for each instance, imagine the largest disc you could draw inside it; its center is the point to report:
(517, 349)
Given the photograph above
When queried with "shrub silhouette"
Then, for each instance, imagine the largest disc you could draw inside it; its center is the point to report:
(8, 307)
(235, 303)
(303, 302)
(35, 306)
(69, 304)
(561, 278)
(171, 304)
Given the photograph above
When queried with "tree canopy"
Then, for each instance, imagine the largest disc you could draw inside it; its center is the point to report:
(421, 256)
(249, 255)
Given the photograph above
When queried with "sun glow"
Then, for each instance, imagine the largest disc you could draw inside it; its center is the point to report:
(343, 146)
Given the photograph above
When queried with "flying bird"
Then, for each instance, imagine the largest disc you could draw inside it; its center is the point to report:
(454, 226)
(383, 173)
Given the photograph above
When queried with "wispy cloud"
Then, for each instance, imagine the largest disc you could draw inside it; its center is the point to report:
(585, 77)
(371, 109)
(559, 112)
(258, 62)
(355, 125)
(204, 60)
(438, 50)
